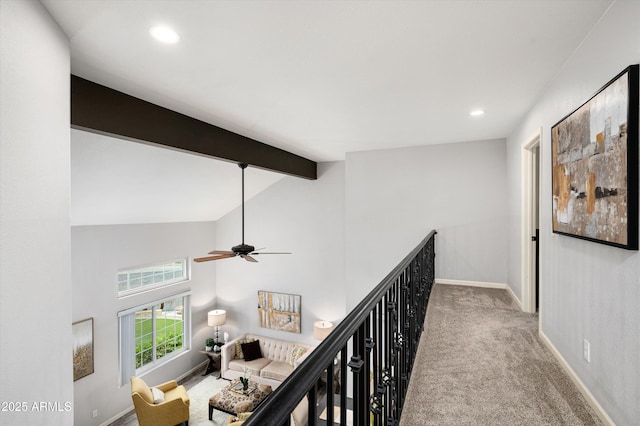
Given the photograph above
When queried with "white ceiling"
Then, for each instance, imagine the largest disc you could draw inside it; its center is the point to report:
(323, 78)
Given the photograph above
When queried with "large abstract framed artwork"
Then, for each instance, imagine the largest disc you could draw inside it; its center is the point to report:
(82, 348)
(279, 311)
(594, 158)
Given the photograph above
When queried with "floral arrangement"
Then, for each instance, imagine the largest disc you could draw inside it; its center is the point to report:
(245, 379)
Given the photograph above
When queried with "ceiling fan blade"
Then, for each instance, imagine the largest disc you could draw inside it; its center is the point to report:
(208, 258)
(221, 252)
(248, 258)
(271, 252)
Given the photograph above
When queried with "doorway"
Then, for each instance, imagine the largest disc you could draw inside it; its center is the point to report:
(530, 235)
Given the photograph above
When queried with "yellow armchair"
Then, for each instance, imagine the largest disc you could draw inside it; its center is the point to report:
(172, 411)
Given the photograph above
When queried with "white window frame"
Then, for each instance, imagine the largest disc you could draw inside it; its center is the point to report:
(186, 276)
(127, 338)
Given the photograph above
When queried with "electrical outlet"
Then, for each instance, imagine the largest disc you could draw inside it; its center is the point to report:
(587, 350)
(95, 413)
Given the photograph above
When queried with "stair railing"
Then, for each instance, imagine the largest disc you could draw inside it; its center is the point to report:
(369, 356)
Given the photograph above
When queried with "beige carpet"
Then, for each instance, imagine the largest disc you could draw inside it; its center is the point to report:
(480, 362)
(199, 403)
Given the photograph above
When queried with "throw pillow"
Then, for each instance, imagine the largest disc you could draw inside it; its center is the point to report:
(237, 421)
(243, 416)
(251, 350)
(158, 395)
(296, 353)
(239, 342)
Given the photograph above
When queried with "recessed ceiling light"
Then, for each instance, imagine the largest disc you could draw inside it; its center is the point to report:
(477, 112)
(164, 34)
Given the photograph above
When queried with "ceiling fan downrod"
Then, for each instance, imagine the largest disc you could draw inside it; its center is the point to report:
(242, 166)
(243, 248)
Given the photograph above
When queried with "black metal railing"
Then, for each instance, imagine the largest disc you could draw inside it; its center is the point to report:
(376, 343)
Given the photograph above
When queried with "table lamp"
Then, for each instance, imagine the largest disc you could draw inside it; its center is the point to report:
(321, 329)
(216, 318)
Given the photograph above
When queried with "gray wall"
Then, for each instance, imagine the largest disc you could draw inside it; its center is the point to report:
(587, 290)
(395, 197)
(303, 217)
(97, 254)
(35, 285)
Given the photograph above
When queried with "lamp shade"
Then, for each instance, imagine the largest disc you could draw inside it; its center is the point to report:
(321, 329)
(217, 317)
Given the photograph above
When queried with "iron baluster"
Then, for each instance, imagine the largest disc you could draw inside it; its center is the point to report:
(385, 329)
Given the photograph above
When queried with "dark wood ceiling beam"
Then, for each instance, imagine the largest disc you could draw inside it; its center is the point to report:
(100, 109)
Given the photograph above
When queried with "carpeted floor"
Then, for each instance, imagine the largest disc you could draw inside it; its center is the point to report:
(199, 403)
(480, 362)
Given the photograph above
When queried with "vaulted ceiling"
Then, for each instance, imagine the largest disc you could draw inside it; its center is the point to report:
(316, 78)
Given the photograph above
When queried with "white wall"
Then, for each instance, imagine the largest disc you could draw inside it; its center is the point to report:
(35, 303)
(587, 290)
(301, 216)
(395, 197)
(97, 254)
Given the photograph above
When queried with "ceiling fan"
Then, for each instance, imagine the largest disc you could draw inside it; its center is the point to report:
(243, 250)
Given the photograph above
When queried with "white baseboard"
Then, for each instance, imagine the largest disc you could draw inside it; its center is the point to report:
(482, 284)
(514, 297)
(591, 400)
(471, 283)
(193, 370)
(117, 416)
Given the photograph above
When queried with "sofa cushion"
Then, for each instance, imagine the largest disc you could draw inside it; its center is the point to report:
(276, 370)
(251, 350)
(239, 419)
(275, 349)
(296, 352)
(239, 342)
(272, 349)
(300, 414)
(254, 366)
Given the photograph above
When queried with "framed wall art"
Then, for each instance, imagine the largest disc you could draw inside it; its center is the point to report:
(82, 348)
(279, 311)
(594, 158)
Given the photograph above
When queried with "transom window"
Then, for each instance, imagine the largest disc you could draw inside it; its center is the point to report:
(135, 280)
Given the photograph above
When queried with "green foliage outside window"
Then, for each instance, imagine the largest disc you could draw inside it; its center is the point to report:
(169, 336)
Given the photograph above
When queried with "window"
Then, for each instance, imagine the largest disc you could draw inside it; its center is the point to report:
(136, 280)
(153, 334)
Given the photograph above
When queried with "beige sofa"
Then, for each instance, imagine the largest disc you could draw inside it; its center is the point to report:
(274, 366)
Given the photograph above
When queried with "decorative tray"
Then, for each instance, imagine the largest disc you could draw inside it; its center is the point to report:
(237, 387)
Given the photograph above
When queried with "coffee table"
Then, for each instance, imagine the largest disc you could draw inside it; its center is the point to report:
(234, 400)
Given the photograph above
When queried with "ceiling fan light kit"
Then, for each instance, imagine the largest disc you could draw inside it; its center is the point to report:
(245, 251)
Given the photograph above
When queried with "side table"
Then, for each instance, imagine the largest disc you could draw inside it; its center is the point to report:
(214, 363)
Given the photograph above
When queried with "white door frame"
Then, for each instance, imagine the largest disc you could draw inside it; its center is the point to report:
(530, 178)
